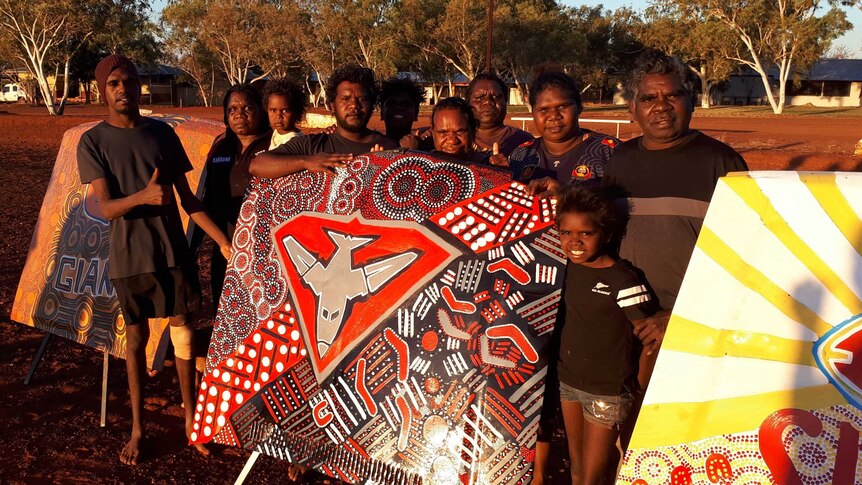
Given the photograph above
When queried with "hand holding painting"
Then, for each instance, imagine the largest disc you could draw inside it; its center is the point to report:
(651, 330)
(327, 162)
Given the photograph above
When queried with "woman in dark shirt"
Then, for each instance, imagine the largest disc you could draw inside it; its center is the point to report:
(564, 150)
(453, 129)
(247, 133)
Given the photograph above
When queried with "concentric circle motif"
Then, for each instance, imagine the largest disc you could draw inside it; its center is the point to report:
(414, 187)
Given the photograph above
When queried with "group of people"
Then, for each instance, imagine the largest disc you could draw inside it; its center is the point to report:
(628, 214)
(628, 243)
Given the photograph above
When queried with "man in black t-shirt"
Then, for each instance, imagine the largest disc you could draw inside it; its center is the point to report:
(666, 179)
(399, 109)
(351, 94)
(133, 164)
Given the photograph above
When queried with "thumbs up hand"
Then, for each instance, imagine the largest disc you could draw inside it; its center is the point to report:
(155, 193)
(498, 158)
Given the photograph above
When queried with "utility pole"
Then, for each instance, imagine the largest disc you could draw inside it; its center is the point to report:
(490, 35)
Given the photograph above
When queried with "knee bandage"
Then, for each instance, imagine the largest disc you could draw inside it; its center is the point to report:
(182, 338)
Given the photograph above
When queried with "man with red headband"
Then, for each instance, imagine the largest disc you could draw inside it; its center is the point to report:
(133, 164)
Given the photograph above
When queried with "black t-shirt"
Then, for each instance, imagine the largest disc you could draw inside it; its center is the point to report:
(598, 349)
(228, 177)
(147, 238)
(334, 143)
(667, 193)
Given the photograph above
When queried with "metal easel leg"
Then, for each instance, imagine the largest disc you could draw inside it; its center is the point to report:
(247, 468)
(104, 390)
(38, 357)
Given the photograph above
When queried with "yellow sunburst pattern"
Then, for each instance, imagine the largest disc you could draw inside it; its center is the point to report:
(757, 382)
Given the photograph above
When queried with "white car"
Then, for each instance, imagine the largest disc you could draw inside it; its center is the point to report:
(12, 93)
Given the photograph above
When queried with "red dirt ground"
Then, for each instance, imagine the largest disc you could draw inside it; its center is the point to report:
(50, 429)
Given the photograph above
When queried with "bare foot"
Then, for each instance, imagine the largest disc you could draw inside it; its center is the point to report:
(202, 449)
(131, 453)
(295, 472)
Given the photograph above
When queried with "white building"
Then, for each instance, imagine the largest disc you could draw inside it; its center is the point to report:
(829, 83)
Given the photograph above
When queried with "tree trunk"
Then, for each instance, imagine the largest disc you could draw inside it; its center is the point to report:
(197, 79)
(523, 89)
(765, 80)
(704, 88)
(322, 91)
(47, 98)
(86, 91)
(783, 74)
(754, 63)
(310, 92)
(211, 93)
(451, 87)
(65, 97)
(203, 93)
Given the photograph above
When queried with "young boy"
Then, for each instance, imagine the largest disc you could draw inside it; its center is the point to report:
(132, 164)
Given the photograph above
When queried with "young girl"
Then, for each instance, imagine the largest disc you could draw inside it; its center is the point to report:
(564, 150)
(598, 355)
(285, 105)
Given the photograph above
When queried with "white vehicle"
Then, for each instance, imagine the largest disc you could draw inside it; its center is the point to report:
(12, 93)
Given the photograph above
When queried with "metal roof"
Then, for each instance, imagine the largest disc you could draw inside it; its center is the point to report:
(158, 70)
(836, 70)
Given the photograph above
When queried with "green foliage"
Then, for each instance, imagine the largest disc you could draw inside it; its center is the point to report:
(452, 31)
(246, 39)
(552, 38)
(786, 35)
(609, 48)
(704, 43)
(48, 34)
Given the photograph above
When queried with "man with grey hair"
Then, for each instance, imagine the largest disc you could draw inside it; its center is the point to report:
(666, 178)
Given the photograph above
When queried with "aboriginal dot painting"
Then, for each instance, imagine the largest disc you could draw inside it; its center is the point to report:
(757, 381)
(64, 288)
(388, 324)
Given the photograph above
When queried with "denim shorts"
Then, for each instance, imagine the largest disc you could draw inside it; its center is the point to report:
(609, 412)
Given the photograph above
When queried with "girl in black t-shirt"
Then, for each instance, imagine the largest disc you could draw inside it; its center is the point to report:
(598, 354)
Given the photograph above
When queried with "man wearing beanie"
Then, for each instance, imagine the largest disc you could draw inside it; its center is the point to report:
(133, 164)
